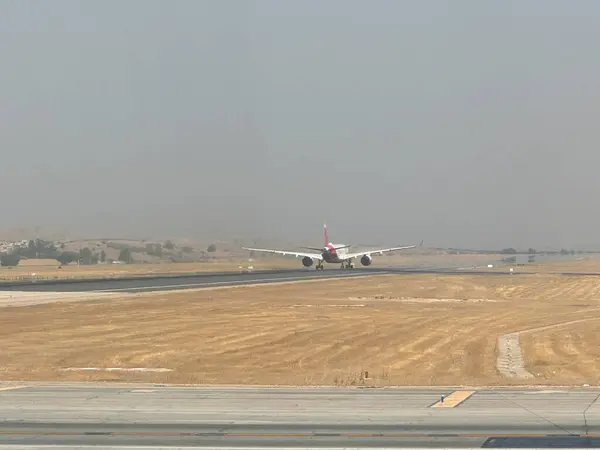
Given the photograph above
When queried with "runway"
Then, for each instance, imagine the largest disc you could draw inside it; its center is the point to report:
(177, 282)
(165, 283)
(223, 417)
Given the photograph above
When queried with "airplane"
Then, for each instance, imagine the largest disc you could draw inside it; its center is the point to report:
(332, 253)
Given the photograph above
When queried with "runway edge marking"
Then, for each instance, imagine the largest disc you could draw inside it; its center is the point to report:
(239, 283)
(10, 388)
(453, 400)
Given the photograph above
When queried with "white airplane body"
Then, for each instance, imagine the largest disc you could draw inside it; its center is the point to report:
(332, 253)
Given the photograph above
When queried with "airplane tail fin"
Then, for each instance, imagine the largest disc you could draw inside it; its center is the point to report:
(326, 235)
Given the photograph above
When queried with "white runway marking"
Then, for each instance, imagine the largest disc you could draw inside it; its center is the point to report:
(10, 388)
(116, 369)
(28, 298)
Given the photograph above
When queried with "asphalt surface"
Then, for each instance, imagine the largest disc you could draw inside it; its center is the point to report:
(154, 415)
(149, 283)
(187, 282)
(167, 283)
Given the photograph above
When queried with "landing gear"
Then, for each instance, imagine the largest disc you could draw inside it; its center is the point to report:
(319, 266)
(348, 265)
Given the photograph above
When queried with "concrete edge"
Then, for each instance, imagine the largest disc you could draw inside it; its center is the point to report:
(272, 386)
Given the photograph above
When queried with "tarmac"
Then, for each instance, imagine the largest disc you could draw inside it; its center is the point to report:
(123, 415)
(153, 284)
(179, 282)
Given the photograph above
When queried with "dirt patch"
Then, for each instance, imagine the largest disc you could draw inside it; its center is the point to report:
(300, 334)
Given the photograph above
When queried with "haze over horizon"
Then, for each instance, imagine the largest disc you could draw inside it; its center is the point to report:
(464, 123)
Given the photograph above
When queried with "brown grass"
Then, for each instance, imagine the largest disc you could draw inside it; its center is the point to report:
(567, 354)
(590, 264)
(403, 330)
(585, 264)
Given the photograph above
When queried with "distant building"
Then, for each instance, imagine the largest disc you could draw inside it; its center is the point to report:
(521, 260)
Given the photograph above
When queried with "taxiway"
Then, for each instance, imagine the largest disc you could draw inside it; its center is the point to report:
(73, 414)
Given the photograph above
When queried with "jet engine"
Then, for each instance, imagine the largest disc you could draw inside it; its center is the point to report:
(307, 262)
(365, 260)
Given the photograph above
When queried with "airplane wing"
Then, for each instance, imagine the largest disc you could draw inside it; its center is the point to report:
(380, 251)
(316, 256)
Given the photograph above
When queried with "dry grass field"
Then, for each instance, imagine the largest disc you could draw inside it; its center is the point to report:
(567, 355)
(583, 264)
(588, 264)
(403, 330)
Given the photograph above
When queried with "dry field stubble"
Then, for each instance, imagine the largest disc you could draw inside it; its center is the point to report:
(568, 354)
(403, 330)
(584, 264)
(589, 264)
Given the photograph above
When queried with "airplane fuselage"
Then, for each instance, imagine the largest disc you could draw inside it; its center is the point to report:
(332, 255)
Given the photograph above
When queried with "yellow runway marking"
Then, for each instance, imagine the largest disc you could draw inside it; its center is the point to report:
(454, 399)
(9, 388)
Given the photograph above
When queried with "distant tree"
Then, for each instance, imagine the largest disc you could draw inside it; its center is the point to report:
(187, 249)
(564, 252)
(509, 251)
(66, 258)
(531, 251)
(169, 245)
(95, 258)
(211, 248)
(62, 246)
(85, 256)
(10, 260)
(102, 256)
(125, 255)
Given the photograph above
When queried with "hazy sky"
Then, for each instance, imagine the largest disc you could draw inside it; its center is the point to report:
(464, 123)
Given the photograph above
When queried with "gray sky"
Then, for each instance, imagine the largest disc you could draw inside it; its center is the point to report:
(464, 123)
